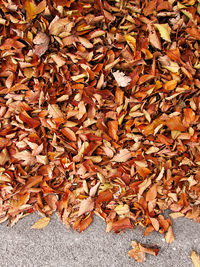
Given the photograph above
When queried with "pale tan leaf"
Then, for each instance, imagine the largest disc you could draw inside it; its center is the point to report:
(121, 78)
(155, 223)
(41, 223)
(136, 253)
(122, 156)
(94, 189)
(168, 64)
(175, 215)
(195, 259)
(169, 237)
(153, 37)
(55, 111)
(4, 156)
(87, 205)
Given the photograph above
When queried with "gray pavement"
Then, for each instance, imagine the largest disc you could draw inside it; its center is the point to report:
(56, 245)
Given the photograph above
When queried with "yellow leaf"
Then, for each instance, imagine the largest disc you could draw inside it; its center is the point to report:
(30, 9)
(195, 259)
(131, 41)
(175, 134)
(164, 31)
(41, 223)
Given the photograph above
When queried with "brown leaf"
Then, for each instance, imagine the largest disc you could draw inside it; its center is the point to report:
(153, 37)
(194, 32)
(138, 252)
(119, 225)
(41, 42)
(112, 129)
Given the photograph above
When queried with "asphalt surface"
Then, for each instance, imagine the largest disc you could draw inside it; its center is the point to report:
(56, 245)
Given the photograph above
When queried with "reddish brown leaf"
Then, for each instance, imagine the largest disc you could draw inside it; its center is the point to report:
(119, 225)
(67, 132)
(112, 129)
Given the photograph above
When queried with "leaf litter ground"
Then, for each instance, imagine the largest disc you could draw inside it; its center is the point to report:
(99, 113)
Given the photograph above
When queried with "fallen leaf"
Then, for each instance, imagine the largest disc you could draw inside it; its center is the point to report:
(195, 259)
(122, 156)
(138, 253)
(169, 236)
(164, 31)
(87, 205)
(151, 193)
(30, 9)
(121, 78)
(112, 129)
(41, 223)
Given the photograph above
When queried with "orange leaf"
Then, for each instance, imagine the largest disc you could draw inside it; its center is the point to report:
(119, 96)
(69, 134)
(175, 124)
(104, 196)
(151, 127)
(28, 120)
(170, 85)
(112, 129)
(144, 172)
(189, 115)
(119, 225)
(31, 182)
(30, 9)
(194, 32)
(85, 223)
(152, 193)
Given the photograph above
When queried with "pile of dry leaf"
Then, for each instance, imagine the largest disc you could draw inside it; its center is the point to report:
(99, 111)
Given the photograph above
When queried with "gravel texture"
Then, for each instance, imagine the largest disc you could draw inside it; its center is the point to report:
(56, 245)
